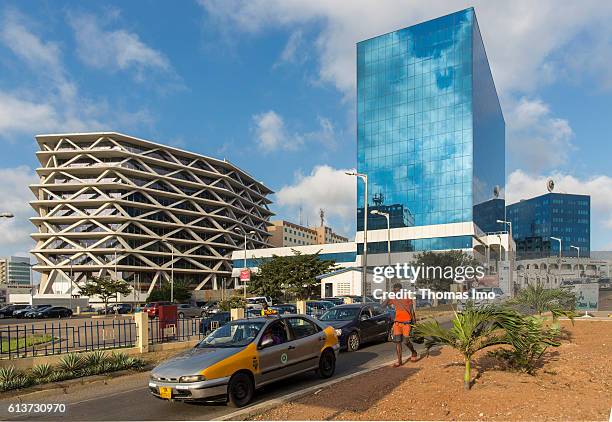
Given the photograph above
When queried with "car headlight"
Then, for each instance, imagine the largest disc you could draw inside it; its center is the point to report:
(192, 378)
(338, 332)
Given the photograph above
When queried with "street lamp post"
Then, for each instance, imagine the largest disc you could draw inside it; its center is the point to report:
(577, 248)
(238, 229)
(560, 245)
(510, 259)
(386, 215)
(364, 276)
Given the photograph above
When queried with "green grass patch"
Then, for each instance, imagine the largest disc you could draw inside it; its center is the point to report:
(14, 345)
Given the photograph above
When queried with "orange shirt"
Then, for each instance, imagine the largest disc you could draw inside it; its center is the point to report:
(402, 309)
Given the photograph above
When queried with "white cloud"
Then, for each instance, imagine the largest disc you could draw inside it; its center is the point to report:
(14, 198)
(293, 51)
(533, 128)
(521, 185)
(114, 49)
(272, 133)
(51, 101)
(324, 188)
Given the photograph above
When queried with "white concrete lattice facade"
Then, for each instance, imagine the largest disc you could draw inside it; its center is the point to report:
(112, 204)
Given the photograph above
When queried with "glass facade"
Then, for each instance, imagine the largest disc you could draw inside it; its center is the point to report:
(426, 103)
(560, 215)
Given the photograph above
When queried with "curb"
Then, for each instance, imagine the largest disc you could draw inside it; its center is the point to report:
(251, 411)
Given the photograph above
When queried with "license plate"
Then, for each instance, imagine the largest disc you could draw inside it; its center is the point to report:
(165, 392)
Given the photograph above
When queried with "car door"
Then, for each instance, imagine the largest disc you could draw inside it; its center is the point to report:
(367, 326)
(274, 359)
(381, 322)
(308, 340)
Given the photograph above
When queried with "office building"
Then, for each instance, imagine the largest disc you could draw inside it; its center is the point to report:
(284, 233)
(112, 204)
(536, 221)
(15, 271)
(430, 137)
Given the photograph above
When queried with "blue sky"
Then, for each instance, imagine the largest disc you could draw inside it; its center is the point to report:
(270, 86)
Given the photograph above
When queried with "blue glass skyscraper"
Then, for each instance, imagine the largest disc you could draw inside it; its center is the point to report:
(560, 215)
(430, 135)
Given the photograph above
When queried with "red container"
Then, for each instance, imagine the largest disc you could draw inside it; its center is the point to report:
(168, 318)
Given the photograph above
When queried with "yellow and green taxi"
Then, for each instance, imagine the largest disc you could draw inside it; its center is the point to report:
(243, 355)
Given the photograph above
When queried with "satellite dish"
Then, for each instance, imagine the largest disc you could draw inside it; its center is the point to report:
(496, 191)
(550, 185)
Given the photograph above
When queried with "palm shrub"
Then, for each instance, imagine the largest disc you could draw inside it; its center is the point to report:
(8, 375)
(529, 340)
(71, 363)
(472, 330)
(558, 302)
(42, 372)
(95, 358)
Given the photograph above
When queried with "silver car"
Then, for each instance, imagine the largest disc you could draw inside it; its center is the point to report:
(186, 310)
(243, 355)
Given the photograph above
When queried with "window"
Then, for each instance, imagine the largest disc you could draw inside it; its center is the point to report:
(302, 327)
(365, 313)
(277, 331)
(376, 311)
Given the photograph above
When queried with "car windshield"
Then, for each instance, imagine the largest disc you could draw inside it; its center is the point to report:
(235, 334)
(340, 314)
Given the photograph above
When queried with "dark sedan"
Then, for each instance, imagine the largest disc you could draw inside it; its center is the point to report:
(7, 311)
(285, 308)
(358, 323)
(50, 312)
(21, 313)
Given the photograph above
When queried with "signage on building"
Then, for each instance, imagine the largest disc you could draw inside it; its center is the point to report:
(245, 275)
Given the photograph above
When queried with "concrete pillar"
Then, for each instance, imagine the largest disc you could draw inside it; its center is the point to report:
(142, 331)
(78, 310)
(237, 313)
(301, 307)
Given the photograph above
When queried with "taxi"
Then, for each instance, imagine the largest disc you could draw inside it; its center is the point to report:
(243, 355)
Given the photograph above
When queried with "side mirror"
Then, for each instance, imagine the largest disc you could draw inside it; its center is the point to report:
(267, 342)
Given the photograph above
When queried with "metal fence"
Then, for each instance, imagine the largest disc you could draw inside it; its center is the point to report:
(183, 329)
(49, 338)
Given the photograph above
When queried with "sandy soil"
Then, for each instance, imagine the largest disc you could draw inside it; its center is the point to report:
(574, 383)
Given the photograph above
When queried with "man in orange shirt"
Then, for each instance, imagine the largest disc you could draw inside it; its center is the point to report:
(404, 319)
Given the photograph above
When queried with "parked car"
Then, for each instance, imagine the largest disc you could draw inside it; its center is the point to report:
(188, 310)
(50, 312)
(21, 313)
(359, 299)
(7, 311)
(335, 300)
(316, 308)
(244, 355)
(211, 307)
(285, 308)
(259, 300)
(152, 308)
(215, 321)
(357, 323)
(122, 308)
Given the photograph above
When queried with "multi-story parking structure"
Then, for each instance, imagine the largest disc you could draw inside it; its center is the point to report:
(111, 204)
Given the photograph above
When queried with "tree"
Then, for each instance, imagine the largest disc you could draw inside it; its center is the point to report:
(558, 302)
(473, 329)
(446, 261)
(105, 288)
(234, 302)
(295, 274)
(163, 294)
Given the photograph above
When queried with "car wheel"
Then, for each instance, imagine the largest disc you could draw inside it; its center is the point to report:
(202, 314)
(327, 364)
(240, 390)
(352, 343)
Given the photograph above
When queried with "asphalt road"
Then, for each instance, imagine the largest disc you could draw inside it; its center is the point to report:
(128, 397)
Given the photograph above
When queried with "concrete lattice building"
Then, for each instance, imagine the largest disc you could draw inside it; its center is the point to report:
(122, 206)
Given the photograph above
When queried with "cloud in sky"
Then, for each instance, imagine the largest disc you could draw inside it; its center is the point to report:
(324, 188)
(114, 49)
(272, 134)
(51, 101)
(15, 196)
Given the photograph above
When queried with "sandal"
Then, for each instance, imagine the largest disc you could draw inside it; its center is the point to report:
(414, 357)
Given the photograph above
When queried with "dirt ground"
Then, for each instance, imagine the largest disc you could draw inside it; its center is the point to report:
(574, 383)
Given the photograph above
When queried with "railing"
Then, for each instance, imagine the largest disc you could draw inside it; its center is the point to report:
(183, 329)
(50, 338)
